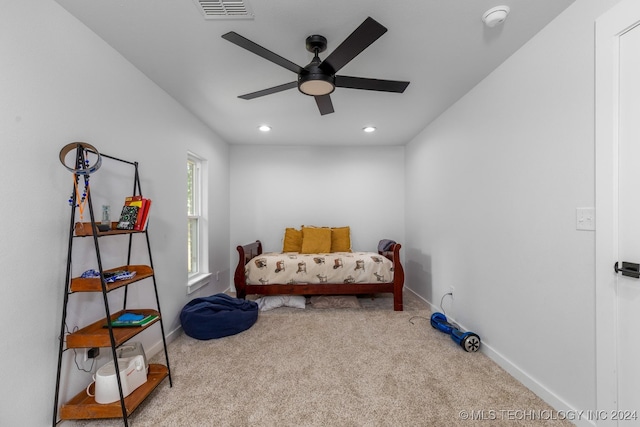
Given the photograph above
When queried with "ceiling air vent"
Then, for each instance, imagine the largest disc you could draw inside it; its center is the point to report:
(225, 9)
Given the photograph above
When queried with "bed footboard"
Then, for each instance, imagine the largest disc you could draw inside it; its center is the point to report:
(252, 250)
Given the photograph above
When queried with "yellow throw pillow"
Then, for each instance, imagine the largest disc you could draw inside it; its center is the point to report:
(316, 240)
(292, 240)
(341, 239)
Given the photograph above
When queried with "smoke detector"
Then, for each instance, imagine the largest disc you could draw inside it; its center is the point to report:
(495, 16)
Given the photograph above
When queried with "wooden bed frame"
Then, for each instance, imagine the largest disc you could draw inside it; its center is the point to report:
(252, 250)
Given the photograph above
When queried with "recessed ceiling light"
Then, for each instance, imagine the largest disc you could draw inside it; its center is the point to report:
(369, 129)
(264, 128)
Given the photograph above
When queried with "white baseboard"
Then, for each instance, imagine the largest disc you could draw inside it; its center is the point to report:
(527, 380)
(157, 347)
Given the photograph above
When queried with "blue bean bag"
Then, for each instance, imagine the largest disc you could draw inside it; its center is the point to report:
(217, 316)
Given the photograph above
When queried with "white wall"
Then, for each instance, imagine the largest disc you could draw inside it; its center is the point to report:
(492, 191)
(60, 83)
(274, 187)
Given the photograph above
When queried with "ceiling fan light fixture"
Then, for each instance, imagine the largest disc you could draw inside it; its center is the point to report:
(316, 84)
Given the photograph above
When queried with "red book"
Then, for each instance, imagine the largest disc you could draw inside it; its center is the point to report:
(145, 214)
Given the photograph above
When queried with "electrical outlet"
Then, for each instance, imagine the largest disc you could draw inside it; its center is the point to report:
(217, 276)
(91, 353)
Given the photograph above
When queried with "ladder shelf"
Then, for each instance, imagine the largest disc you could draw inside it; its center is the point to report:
(102, 333)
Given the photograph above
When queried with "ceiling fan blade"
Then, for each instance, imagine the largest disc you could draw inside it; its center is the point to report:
(324, 104)
(371, 84)
(269, 91)
(245, 43)
(368, 32)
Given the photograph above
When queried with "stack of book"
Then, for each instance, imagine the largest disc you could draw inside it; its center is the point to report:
(132, 319)
(135, 214)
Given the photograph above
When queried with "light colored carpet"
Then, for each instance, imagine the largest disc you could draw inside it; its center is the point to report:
(337, 367)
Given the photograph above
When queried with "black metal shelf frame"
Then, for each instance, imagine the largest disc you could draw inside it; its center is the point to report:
(80, 164)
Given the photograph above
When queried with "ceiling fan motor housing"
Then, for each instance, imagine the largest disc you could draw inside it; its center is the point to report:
(313, 80)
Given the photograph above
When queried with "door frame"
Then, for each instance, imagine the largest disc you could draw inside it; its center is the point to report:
(609, 27)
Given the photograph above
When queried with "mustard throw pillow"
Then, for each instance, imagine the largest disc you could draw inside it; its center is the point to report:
(316, 240)
(340, 239)
(292, 240)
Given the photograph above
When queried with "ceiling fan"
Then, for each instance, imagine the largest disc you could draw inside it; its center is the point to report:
(318, 78)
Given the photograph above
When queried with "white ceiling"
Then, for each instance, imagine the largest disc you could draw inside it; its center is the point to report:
(440, 46)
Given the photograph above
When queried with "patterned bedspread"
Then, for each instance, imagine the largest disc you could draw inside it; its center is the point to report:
(338, 267)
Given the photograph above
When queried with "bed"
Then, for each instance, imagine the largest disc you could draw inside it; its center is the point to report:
(321, 273)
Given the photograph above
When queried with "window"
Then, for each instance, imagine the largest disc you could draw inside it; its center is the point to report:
(197, 257)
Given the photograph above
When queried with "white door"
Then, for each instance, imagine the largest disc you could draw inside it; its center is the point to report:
(618, 214)
(629, 221)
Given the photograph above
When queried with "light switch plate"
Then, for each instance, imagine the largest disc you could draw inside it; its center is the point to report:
(585, 219)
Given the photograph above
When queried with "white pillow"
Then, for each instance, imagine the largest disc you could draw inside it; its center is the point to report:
(274, 301)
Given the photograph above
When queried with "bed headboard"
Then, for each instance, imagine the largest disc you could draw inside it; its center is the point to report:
(250, 251)
(393, 252)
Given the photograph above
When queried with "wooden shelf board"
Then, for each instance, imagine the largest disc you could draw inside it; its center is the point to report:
(96, 335)
(83, 406)
(84, 229)
(79, 284)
